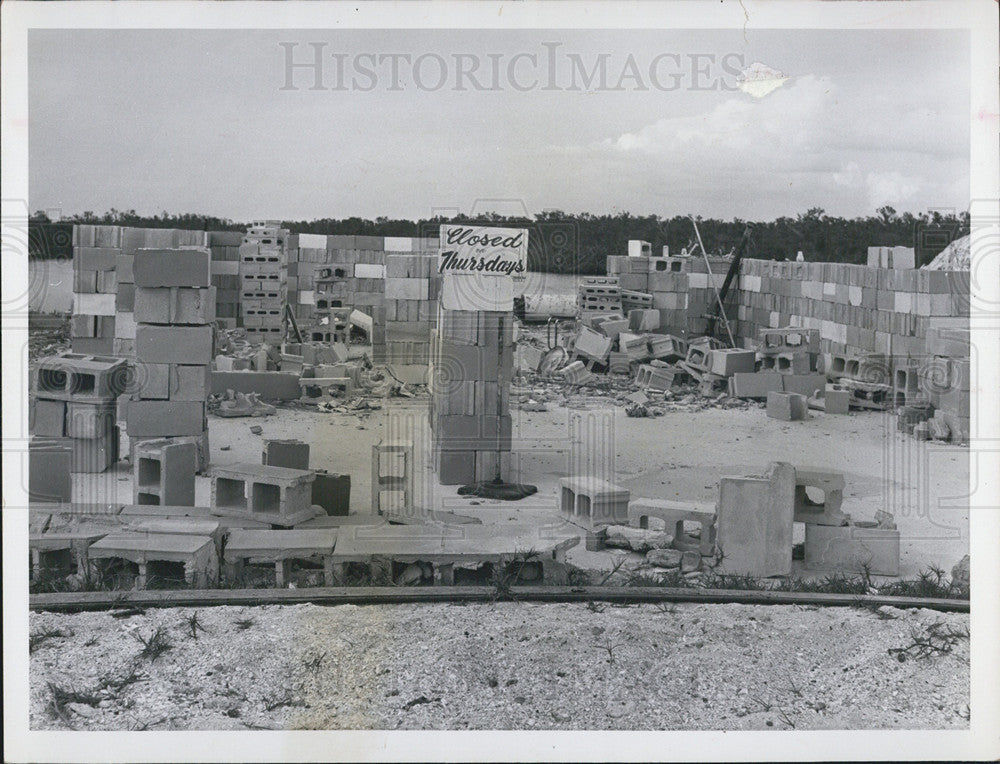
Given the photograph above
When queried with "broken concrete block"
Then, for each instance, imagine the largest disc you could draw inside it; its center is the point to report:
(674, 514)
(575, 373)
(827, 511)
(190, 383)
(667, 346)
(756, 517)
(854, 548)
(789, 407)
(163, 472)
(698, 357)
(636, 346)
(729, 361)
(756, 385)
(653, 378)
(293, 454)
(636, 539)
(172, 267)
(832, 399)
(664, 558)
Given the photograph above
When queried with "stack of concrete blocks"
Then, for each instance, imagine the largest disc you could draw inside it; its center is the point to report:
(95, 255)
(264, 281)
(74, 410)
(132, 240)
(639, 248)
(470, 384)
(174, 310)
(410, 306)
(367, 282)
(856, 309)
(225, 248)
(306, 254)
(946, 380)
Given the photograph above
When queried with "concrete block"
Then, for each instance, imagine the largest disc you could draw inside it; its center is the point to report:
(853, 549)
(154, 382)
(84, 282)
(332, 493)
(369, 271)
(94, 304)
(198, 554)
(674, 514)
(591, 344)
(406, 289)
(174, 344)
(756, 385)
(50, 462)
(47, 418)
(460, 433)
(107, 282)
(803, 384)
(165, 418)
(729, 361)
(612, 327)
(591, 502)
(95, 258)
(832, 399)
(639, 248)
(90, 420)
(668, 346)
(94, 454)
(755, 521)
(644, 320)
(277, 495)
(653, 378)
(164, 473)
(80, 377)
(293, 454)
(788, 407)
(175, 305)
(172, 268)
(826, 486)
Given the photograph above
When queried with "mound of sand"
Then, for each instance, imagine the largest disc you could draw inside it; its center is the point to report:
(954, 257)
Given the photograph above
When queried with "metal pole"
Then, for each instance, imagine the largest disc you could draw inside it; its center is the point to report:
(722, 308)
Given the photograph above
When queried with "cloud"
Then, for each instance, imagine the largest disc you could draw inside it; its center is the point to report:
(809, 143)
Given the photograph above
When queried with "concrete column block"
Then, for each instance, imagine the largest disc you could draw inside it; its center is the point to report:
(165, 418)
(90, 420)
(755, 520)
(174, 344)
(50, 462)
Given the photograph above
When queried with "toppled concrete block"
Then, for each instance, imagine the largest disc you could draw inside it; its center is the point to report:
(674, 515)
(852, 548)
(668, 346)
(636, 539)
(653, 378)
(756, 517)
(50, 462)
(832, 399)
(591, 344)
(789, 407)
(332, 493)
(756, 385)
(575, 373)
(163, 472)
(593, 501)
(729, 361)
(293, 454)
(611, 327)
(644, 320)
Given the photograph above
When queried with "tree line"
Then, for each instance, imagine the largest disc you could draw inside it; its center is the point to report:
(580, 243)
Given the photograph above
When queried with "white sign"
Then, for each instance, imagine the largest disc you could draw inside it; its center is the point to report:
(483, 251)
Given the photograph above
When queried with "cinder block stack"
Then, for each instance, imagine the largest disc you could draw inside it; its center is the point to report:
(599, 294)
(263, 281)
(410, 305)
(225, 247)
(303, 262)
(95, 254)
(74, 407)
(174, 310)
(946, 378)
(470, 383)
(855, 308)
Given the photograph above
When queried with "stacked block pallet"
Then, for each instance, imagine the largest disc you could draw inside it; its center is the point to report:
(73, 412)
(856, 308)
(174, 310)
(410, 306)
(470, 384)
(306, 252)
(263, 281)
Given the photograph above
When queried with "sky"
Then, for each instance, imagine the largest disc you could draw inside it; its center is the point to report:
(214, 122)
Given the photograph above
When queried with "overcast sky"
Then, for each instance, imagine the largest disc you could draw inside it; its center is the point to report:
(203, 122)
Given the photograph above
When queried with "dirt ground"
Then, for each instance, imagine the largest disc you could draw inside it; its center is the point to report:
(502, 666)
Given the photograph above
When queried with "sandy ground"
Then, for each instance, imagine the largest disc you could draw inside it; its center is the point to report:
(502, 666)
(680, 455)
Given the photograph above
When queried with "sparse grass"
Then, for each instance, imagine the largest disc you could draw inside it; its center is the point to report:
(506, 575)
(936, 639)
(244, 623)
(313, 663)
(62, 697)
(608, 646)
(193, 625)
(286, 700)
(38, 638)
(155, 644)
(118, 683)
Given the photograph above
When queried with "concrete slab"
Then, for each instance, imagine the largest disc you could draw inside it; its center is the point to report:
(755, 522)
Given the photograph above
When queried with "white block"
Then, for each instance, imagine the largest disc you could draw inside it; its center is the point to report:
(774, 319)
(854, 295)
(225, 267)
(698, 281)
(312, 241)
(639, 248)
(829, 289)
(94, 304)
(307, 297)
(904, 302)
(463, 291)
(398, 244)
(369, 271)
(406, 289)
